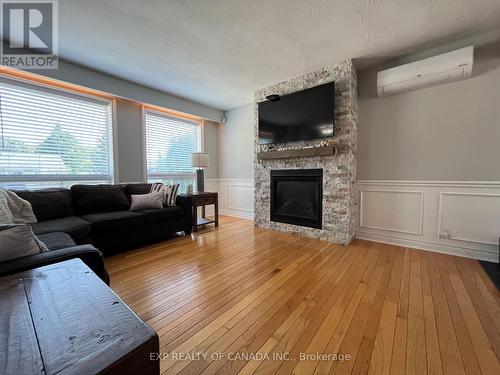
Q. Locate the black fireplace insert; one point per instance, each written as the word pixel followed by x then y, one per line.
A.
pixel 297 197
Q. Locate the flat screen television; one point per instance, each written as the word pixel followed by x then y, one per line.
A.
pixel 300 116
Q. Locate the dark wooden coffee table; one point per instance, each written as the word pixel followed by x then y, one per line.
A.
pixel 62 319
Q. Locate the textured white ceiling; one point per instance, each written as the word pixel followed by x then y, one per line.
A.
pixel 218 52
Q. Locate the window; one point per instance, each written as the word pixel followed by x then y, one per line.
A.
pixel 52 138
pixel 169 144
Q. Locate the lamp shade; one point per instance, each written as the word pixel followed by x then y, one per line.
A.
pixel 199 159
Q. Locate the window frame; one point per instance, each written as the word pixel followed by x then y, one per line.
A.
pixel 167 113
pixel 57 88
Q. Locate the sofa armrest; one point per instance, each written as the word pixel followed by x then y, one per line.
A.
pixel 87 253
pixel 186 202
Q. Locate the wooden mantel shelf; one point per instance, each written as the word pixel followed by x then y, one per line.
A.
pixel 298 153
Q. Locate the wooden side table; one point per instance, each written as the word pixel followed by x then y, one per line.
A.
pixel 201 200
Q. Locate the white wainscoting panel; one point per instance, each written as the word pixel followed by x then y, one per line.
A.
pixel 235 196
pixel 481 210
pixel 400 211
pixel 459 218
pixel 239 197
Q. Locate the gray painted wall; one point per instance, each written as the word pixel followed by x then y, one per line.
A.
pixel 211 146
pixel 129 142
pixel 80 75
pixel 449 132
pixel 236 144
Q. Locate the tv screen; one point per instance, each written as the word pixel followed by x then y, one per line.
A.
pixel 300 116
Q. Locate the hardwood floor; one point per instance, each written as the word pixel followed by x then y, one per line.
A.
pixel 231 292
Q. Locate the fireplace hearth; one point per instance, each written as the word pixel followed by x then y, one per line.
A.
pixel 297 197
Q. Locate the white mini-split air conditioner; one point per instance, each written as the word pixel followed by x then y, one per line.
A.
pixel 448 67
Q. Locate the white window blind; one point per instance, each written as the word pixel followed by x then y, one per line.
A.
pixel 169 144
pixel 52 138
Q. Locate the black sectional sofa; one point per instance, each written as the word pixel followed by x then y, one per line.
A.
pixel 74 222
pixel 62 247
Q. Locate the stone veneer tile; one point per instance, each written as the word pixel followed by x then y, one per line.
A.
pixel 340 209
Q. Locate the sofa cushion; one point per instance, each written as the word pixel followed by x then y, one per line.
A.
pixel 114 221
pixel 162 214
pixel 136 189
pixel 73 225
pixel 57 240
pixel 48 204
pixel 90 199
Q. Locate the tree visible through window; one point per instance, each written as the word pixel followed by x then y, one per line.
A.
pixel 52 138
pixel 170 141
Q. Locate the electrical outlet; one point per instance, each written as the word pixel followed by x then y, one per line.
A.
pixel 445 233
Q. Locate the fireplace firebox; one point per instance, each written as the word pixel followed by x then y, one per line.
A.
pixel 297 197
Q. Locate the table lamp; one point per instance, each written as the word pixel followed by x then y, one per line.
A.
pixel 200 160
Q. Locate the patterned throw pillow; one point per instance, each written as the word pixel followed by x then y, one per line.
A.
pixel 170 193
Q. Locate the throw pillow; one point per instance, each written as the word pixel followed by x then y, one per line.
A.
pixel 146 201
pixel 17 241
pixel 15 210
pixel 170 193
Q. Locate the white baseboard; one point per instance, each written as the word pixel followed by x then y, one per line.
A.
pixel 452 217
pixel 235 213
pixel 430 246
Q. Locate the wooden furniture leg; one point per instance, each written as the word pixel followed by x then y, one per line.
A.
pixel 216 212
pixel 195 219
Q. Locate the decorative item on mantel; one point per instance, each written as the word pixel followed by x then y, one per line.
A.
pixel 324 148
pixel 200 160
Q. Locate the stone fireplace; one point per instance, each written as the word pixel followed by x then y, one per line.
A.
pixel 327 211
